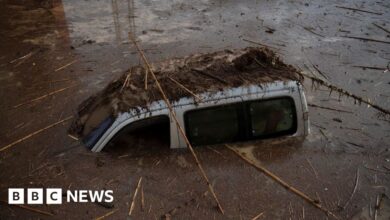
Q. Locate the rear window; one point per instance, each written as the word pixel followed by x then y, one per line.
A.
pixel 272 117
pixel 241 121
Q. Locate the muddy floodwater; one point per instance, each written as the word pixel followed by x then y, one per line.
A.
pixel 55 54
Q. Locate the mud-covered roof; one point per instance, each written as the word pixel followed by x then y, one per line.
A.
pixel 211 72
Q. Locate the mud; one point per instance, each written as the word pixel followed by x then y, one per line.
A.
pixel 199 73
pixel 94 33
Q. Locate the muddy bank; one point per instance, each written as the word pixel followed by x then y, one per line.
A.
pixel 199 73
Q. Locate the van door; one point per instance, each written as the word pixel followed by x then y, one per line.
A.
pixel 241 121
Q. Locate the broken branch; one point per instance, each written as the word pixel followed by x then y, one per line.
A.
pixel 283 183
pixel 135 196
pixel 181 130
pixel 342 91
pixel 34 133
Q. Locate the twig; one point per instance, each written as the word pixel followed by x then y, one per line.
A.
pixel 258 216
pixel 316 125
pixel 367 39
pixel 323 133
pixel 135 196
pixel 382 28
pixel 106 215
pixel 371 67
pixel 126 81
pixel 376 207
pixel 142 199
pixel 66 65
pixel 356 145
pixel 354 189
pixel 181 130
pixel 311 166
pixel 258 62
pixel 22 57
pixel 290 209
pixel 44 96
pixel 31 209
pixel 38 168
pixel 185 88
pixel 370 210
pixel 258 43
pixel 377 170
pixel 342 91
pixel 319 71
pixel 146 79
pixel 51 82
pixel 328 108
pixel 361 10
pixel 34 133
pixel 216 151
pixel 73 137
pixel 311 31
pixel 283 183
pixel 209 75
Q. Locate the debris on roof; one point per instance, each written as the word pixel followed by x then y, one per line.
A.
pixel 198 73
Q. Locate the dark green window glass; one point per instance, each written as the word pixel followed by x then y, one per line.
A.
pixel 213 125
pixel 272 117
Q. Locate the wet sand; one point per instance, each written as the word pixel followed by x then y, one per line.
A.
pixel 56 44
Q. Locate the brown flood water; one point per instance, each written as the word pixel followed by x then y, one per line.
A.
pixel 50 45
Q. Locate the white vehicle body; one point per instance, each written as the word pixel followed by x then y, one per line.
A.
pixel 266 91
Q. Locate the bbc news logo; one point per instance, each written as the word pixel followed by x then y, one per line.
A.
pixel 55 196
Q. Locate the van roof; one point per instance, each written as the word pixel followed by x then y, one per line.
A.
pixel 199 73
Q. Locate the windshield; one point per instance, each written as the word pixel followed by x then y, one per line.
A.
pixel 93 137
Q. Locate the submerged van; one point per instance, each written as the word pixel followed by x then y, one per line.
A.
pixel 236 96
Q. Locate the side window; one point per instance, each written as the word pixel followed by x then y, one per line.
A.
pixel 241 121
pixel 272 117
pixel 213 125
